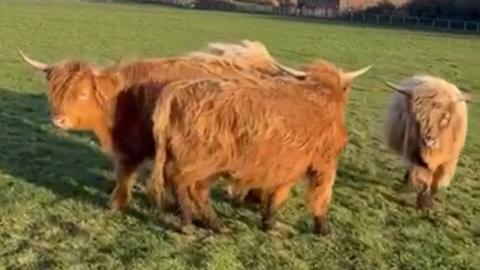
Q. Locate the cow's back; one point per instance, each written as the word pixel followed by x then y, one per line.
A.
pixel 252 128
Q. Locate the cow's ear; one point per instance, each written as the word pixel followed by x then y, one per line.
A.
pixel 107 84
pixel 465 97
pixel 445 120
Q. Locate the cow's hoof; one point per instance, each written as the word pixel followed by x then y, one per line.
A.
pixel 187 229
pixel 425 201
pixel 119 200
pixel 110 188
pixel 322 227
pixel 115 205
pixel 269 224
pixel 214 225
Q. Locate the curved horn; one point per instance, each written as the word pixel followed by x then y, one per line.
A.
pixel 398 88
pixel 296 73
pixel 37 65
pixel 353 74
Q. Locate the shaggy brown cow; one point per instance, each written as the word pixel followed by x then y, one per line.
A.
pixel 265 134
pixel 116 103
pixel 427 125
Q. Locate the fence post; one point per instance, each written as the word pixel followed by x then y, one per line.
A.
pixel 449 24
pixel 465 26
pixel 418 21
pixel 403 20
pixel 364 18
pixel 433 22
pixel 377 19
pixel 478 27
pixel 391 19
pixel 351 16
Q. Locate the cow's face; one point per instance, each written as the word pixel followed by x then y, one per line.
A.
pixel 72 96
pixel 434 118
pixel 76 102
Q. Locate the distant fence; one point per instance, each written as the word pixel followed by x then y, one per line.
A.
pixel 417 22
pixel 332 14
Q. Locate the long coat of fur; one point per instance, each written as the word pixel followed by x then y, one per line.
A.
pixel 116 103
pixel 427 125
pixel 266 134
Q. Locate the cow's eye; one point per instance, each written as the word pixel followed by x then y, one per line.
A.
pixel 83 95
pixel 445 120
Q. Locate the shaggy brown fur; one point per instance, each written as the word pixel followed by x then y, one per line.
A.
pixel 265 134
pixel 116 103
pixel 427 125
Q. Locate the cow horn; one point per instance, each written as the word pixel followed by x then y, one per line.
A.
pixel 398 88
pixel 296 73
pixel 353 74
pixel 37 65
pixel 465 97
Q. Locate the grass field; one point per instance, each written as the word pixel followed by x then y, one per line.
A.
pixel 52 199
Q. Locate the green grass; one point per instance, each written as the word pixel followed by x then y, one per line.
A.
pixel 52 199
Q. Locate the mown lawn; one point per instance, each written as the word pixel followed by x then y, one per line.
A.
pixel 52 199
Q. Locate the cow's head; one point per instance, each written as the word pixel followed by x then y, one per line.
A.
pixel 330 77
pixel 77 93
pixel 431 112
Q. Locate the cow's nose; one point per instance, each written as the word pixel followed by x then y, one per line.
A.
pixel 60 121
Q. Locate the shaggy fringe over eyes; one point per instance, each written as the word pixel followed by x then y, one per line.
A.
pixel 64 76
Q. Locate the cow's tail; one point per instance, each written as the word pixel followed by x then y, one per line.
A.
pixel 156 185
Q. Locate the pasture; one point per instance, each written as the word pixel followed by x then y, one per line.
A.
pixel 52 189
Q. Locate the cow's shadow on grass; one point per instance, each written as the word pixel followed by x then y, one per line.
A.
pixel 33 151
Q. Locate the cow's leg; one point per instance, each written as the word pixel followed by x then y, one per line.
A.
pixel 322 178
pixel 200 193
pixel 254 196
pixel 425 198
pixel 187 206
pixel 111 179
pixel 444 174
pixel 125 173
pixel 111 182
pixel 192 191
pixel 274 201
pixel 423 179
pixel 406 183
pixel 440 178
pixel 159 179
pixel 406 178
pixel 169 200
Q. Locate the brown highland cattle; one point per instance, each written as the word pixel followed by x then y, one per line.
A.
pixel 116 103
pixel 264 134
pixel 427 126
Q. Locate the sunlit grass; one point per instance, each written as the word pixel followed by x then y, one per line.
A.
pixel 52 199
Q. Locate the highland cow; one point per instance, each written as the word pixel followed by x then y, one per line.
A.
pixel 427 126
pixel 265 134
pixel 116 103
